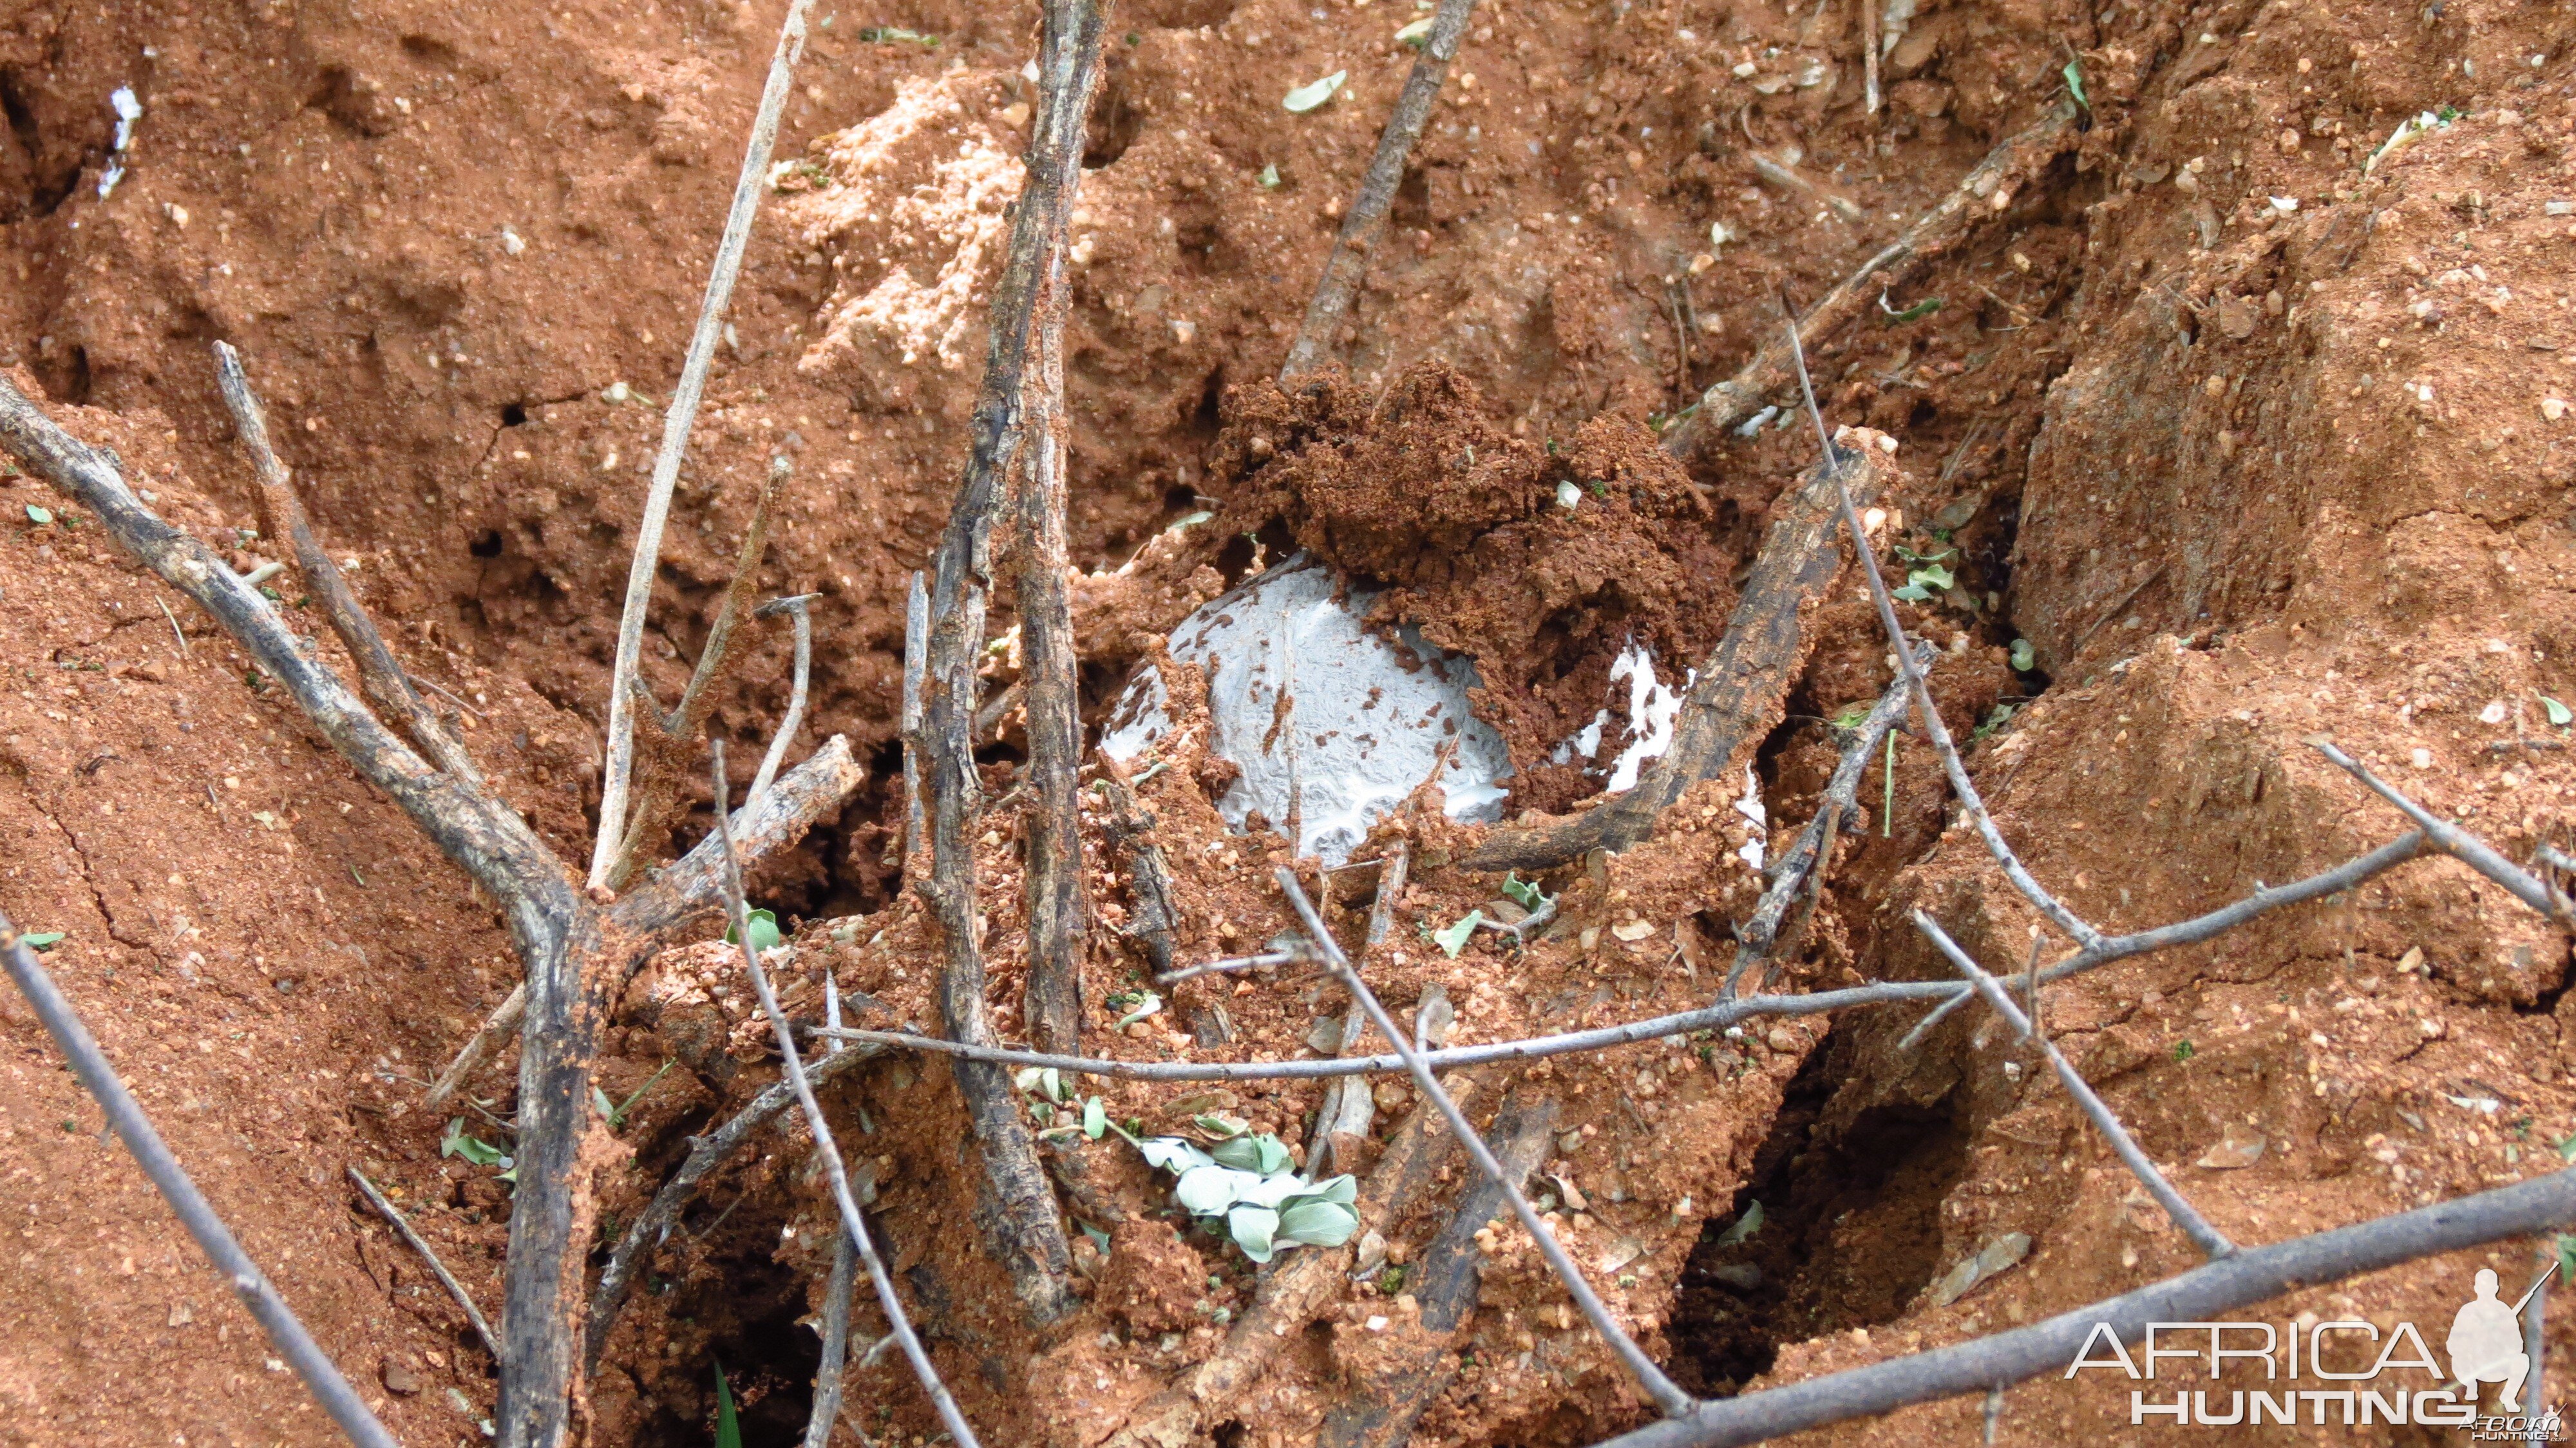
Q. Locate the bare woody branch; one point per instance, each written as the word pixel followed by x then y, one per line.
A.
pixel 2202 1295
pixel 379 674
pixel 1972 804
pixel 837 1287
pixel 1661 1389
pixel 1365 223
pixel 670 741
pixel 1801 870
pixel 98 1077
pixel 810 792
pixel 853 1226
pixel 393 1215
pixel 2458 843
pixel 676 422
pixel 1985 190
pixel 2204 1236
pixel 794 607
pixel 1742 687
pixel 1028 1234
pixel 652 1226
pixel 1049 674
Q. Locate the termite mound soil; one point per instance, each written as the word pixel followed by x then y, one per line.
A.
pixel 2236 471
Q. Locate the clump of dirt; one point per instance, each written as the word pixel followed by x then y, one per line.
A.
pixel 1543 561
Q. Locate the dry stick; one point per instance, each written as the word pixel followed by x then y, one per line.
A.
pixel 1267 960
pixel 98 1076
pixel 852 1224
pixel 1149 878
pixel 2204 1294
pixel 1396 1385
pixel 1758 939
pixel 794 607
pixel 2208 1238
pixel 557 932
pixel 1970 802
pixel 572 949
pixel 676 423
pixel 916 644
pixel 1366 220
pixel 1715 1017
pixel 438 1269
pixel 836 1288
pixel 1049 675
pixel 380 676
pixel 1025 1229
pixel 670 745
pixel 1348 1108
pixel 1730 402
pixel 2458 843
pixel 653 805
pixel 1869 55
pixel 1658 1387
pixel 1743 685
pixel 653 1225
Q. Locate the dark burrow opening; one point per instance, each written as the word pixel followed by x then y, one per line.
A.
pixel 1849 1229
pixel 742 1319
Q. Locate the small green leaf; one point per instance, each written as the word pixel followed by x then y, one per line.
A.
pixel 1318 1223
pixel 2558 713
pixel 2024 657
pixel 1851 716
pixel 1524 893
pixel 599 1100
pixel 1218 1126
pixel 764 933
pixel 2566 1258
pixel 728 1426
pixel 1270 177
pixel 1744 1228
pixel 2184 1050
pixel 1454 939
pixel 42 940
pixel 1306 97
pixel 1251 1229
pixel 1417 35
pixel 1147 1004
pixel 2567 1149
pixel 458 1142
pixel 39 516
pixel 2074 73
pixel 1095 1118
pixel 1209 1190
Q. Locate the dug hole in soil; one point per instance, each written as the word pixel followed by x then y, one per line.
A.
pixel 2227 429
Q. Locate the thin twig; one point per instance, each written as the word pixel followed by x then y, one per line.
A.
pixel 853 1224
pixel 380 676
pixel 2458 843
pixel 916 644
pixel 438 1269
pixel 1758 939
pixel 670 740
pixel 1869 65
pixel 1658 1387
pixel 676 422
pixel 1267 960
pixel 1970 802
pixel 795 608
pixel 175 631
pixel 2208 1238
pixel 1725 404
pixel 836 1288
pixel 97 1075
pixel 2204 1294
pixel 1348 1109
pixel 1149 877
pixel 652 1226
pixel 1366 220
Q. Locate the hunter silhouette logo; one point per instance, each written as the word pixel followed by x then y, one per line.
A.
pixel 2328 1372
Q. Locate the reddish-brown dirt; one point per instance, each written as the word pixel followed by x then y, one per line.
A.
pixel 2249 439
